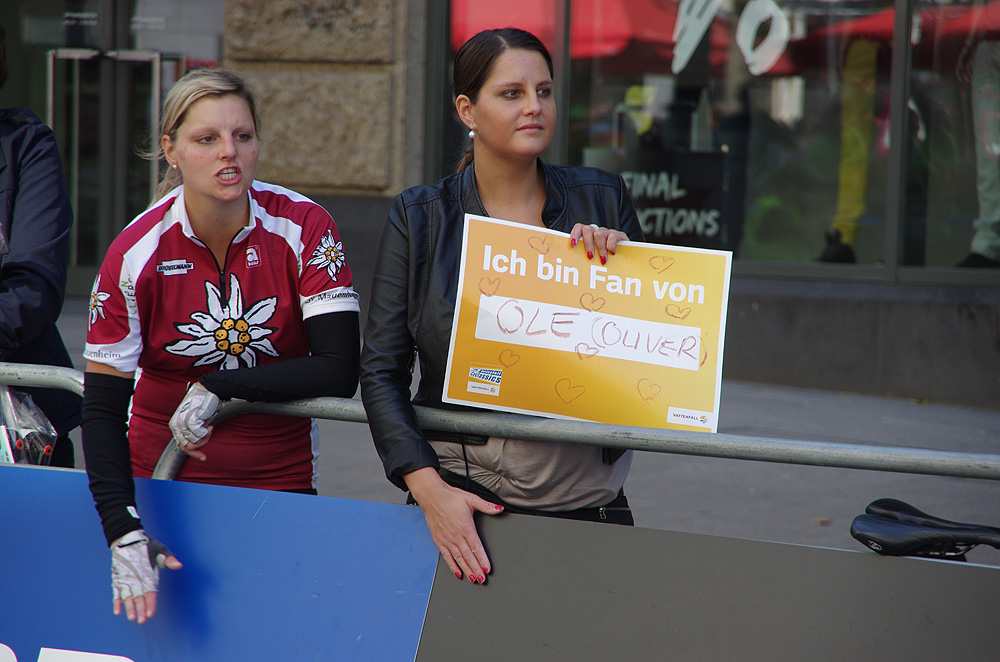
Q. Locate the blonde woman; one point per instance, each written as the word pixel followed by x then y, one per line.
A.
pixel 226 287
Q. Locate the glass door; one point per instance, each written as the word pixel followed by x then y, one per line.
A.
pixel 96 71
pixel 102 106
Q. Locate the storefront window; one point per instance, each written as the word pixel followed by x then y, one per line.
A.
pixel 956 98
pixel 96 72
pixel 765 126
pixel 757 127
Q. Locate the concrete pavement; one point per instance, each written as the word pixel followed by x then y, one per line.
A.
pixel 737 498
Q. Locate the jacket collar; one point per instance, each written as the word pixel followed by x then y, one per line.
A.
pixel 471 202
pixel 554 200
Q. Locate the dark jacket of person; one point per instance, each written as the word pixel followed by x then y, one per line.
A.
pixel 415 286
pixel 35 221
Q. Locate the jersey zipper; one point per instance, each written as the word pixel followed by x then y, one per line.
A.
pixel 223 288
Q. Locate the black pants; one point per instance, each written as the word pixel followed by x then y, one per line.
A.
pixel 616 511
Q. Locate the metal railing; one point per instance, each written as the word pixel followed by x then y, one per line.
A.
pixel 23 374
pixel 762 449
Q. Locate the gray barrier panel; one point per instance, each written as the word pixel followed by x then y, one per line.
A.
pixel 564 590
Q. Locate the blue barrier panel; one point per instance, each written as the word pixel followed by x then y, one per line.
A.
pixel 267 575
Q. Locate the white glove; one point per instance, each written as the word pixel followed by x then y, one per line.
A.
pixel 136 560
pixel 188 422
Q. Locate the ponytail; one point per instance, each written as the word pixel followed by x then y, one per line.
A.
pixel 467 156
pixel 171 180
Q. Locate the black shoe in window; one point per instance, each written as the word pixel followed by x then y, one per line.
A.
pixel 977 261
pixel 836 250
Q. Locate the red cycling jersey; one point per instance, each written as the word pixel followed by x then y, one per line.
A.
pixel 163 308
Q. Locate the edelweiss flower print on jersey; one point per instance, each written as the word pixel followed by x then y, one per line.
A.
pixel 97 299
pixel 227 335
pixel 329 255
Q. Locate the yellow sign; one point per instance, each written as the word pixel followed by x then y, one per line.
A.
pixel 540 329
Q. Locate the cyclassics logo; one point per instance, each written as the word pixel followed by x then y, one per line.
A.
pixel 484 379
pixel 492 375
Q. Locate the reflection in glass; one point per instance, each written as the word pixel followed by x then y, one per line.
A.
pixel 793 98
pixel 958 54
pixel 763 126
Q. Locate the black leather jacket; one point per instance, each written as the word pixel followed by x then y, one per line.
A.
pixel 415 286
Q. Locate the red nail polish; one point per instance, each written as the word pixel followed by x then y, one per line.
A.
pixel 590 255
pixel 458 574
pixel 472 579
pixel 482 580
pixel 572 243
pixel 604 260
pixel 613 253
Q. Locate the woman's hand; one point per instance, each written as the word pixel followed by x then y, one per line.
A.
pixel 136 560
pixel 449 512
pixel 189 424
pixel 596 240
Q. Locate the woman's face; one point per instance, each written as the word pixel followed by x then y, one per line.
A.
pixel 515 113
pixel 215 148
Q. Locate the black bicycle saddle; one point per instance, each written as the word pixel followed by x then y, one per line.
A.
pixel 894 528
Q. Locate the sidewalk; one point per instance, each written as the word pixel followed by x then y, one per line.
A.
pixel 738 498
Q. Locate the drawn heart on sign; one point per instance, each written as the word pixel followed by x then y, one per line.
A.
pixel 508 358
pixel 585 351
pixel 677 312
pixel 647 390
pixel 567 392
pixel 540 244
pixel 591 303
pixel 489 286
pixel 661 263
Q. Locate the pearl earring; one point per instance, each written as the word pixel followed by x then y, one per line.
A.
pixel 472 134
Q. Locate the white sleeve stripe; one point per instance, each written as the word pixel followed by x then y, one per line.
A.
pixel 339 299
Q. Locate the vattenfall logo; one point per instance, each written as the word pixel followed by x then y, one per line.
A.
pixel 491 375
pixel 689 417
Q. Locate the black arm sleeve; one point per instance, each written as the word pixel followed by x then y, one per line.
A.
pixel 105 447
pixel 331 370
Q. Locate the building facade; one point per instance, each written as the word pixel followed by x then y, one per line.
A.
pixel 844 150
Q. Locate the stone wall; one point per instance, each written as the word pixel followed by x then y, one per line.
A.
pixel 341 90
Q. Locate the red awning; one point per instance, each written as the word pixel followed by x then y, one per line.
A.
pixel 598 28
pixel 932 23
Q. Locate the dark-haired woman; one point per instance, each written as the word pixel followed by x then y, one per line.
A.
pixel 504 96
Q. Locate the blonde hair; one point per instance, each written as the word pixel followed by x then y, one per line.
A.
pixel 192 87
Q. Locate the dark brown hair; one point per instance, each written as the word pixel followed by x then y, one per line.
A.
pixel 474 63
